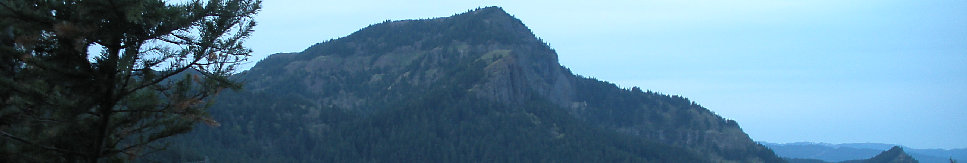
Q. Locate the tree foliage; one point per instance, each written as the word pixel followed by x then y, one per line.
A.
pixel 95 80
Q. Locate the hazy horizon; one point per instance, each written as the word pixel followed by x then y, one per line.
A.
pixel 820 71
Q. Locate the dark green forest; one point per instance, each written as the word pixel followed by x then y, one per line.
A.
pixel 441 124
pixel 438 126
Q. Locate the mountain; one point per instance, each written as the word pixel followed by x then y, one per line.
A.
pixel 854 151
pixel 893 155
pixel 825 152
pixel 473 87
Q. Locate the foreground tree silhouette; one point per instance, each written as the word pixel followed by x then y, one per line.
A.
pixel 100 80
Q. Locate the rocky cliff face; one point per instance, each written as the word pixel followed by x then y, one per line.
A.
pixel 490 55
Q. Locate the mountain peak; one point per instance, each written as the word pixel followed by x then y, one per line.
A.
pixel 488 25
pixel 497 11
pixel 491 13
pixel 894 155
pixel 493 21
pixel 896 149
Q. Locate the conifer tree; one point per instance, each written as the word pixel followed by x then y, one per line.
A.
pixel 104 80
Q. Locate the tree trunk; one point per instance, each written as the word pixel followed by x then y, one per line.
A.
pixel 107 101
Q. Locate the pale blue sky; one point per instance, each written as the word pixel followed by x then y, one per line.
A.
pixel 787 70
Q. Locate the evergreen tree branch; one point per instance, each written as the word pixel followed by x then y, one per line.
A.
pixel 25 141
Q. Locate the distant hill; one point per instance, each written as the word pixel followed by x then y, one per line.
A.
pixel 472 87
pixel 894 155
pixel 854 151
